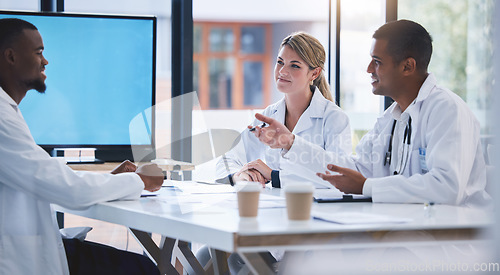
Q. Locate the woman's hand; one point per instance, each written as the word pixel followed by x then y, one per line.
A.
pixel 260 166
pixel 249 174
pixel 275 135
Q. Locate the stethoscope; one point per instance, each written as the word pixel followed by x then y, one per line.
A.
pixel 406 141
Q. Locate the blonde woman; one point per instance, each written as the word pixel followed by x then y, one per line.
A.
pixel 307 110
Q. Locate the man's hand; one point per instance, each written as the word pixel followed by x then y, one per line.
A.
pixel 275 135
pixel 124 167
pixel 347 181
pixel 151 175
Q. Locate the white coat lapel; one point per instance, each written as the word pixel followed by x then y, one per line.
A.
pixel 414 108
pixel 279 111
pixel 304 123
pixel 314 111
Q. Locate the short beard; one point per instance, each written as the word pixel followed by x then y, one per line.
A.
pixel 37 84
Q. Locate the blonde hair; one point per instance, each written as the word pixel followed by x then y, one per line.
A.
pixel 312 52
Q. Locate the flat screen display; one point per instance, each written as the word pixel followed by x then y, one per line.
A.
pixel 100 76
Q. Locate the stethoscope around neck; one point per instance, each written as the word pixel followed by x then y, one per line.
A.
pixel 406 141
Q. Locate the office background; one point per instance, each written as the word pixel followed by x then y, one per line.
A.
pixel 235 43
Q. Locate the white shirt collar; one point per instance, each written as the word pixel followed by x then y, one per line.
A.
pixel 6 97
pixel 423 93
pixel 401 116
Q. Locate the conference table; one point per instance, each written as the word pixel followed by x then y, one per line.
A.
pixel 189 212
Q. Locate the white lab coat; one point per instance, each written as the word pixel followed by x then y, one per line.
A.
pixel 444 126
pixel 30 180
pixel 322 123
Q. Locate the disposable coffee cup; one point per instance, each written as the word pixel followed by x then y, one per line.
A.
pixel 299 198
pixel 248 198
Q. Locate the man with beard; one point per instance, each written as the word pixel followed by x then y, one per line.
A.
pixel 30 180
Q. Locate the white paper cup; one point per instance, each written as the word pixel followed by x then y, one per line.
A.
pixel 248 198
pixel 299 198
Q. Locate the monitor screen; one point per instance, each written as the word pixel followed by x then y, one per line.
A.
pixel 100 76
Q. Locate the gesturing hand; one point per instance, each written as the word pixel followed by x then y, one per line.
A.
pixel 151 175
pixel 348 181
pixel 275 135
pixel 124 167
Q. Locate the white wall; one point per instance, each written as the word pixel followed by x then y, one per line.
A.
pixel 150 7
pixel 260 10
pixel 20 5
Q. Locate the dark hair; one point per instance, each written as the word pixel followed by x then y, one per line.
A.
pixel 407 39
pixel 10 28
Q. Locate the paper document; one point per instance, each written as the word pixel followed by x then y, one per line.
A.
pixel 334 195
pixel 193 187
pixel 358 218
pixel 184 198
pixel 265 201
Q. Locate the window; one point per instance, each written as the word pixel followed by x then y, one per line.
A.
pixel 359 20
pixel 462 47
pixel 231 65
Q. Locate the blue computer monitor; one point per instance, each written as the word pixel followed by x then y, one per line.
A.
pixel 101 74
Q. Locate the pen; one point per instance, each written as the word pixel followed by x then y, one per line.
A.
pixel 261 126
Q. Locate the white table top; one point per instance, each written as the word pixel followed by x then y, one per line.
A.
pixel 165 164
pixel 220 227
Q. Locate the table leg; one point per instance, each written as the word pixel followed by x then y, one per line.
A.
pixel 183 253
pixel 171 250
pixel 256 264
pixel 219 261
pixel 161 255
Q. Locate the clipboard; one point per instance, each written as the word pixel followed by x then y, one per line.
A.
pixel 345 198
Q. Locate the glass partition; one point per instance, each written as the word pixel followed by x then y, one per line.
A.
pixel 359 19
pixel 462 47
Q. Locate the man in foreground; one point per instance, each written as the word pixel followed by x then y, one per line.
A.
pixel 30 180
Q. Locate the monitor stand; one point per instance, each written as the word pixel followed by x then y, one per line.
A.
pixel 95 161
pixel 77 155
